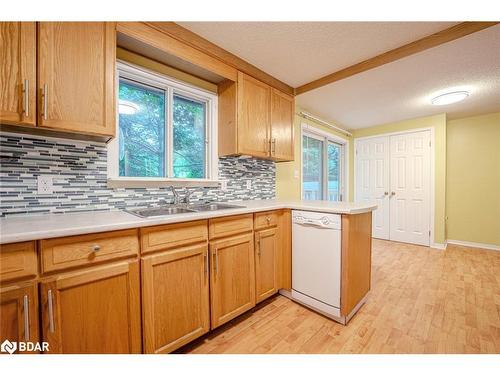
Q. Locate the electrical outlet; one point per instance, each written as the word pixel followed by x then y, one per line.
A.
pixel 249 184
pixel 223 185
pixel 45 185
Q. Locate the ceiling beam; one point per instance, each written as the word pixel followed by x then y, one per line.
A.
pixel 194 40
pixel 444 36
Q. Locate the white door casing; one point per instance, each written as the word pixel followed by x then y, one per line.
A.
pixel 410 188
pixel 372 181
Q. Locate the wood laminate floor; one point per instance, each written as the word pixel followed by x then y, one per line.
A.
pixel 422 301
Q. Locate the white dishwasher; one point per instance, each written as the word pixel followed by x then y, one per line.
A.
pixel 316 261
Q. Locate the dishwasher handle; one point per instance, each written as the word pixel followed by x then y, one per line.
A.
pixel 323 222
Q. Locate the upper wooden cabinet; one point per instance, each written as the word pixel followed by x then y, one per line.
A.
pixel 282 135
pixel 18 73
pixel 76 76
pixel 255 119
pixel 93 311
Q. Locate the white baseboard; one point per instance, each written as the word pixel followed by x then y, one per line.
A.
pixel 475 244
pixel 440 246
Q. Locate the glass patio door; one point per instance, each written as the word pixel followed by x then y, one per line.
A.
pixel 322 168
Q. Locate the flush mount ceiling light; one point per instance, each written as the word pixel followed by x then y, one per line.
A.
pixel 450 97
pixel 127 108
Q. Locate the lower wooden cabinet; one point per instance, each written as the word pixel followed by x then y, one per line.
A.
pixel 266 267
pixel 93 311
pixel 175 298
pixel 19 313
pixel 232 278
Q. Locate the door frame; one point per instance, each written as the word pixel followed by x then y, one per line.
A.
pixel 344 173
pixel 432 177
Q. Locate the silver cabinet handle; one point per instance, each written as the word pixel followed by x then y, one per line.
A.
pixel 205 258
pixel 26 302
pixel 258 246
pixel 45 96
pixel 26 98
pixel 96 248
pixel 51 311
pixel 386 193
pixel 268 219
pixel 273 146
pixel 216 265
pixel 393 193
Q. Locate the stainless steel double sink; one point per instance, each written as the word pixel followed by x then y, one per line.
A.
pixel 175 210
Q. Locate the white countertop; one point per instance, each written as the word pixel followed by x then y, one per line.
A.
pixel 27 228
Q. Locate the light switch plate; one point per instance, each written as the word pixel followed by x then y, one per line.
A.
pixel 45 184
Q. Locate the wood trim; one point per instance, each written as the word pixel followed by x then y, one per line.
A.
pixel 285 250
pixel 436 39
pixel 158 38
pixel 194 40
pixel 356 260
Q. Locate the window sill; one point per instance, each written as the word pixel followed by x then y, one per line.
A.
pixel 139 182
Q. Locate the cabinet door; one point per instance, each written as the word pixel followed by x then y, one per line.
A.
pixel 94 311
pixel 19 313
pixel 76 76
pixel 18 73
pixel 175 298
pixel 266 255
pixel 282 114
pixel 254 108
pixel 232 278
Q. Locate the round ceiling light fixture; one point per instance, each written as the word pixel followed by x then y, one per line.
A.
pixel 450 97
pixel 127 108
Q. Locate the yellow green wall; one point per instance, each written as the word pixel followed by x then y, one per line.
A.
pixel 438 122
pixel 288 186
pixel 473 179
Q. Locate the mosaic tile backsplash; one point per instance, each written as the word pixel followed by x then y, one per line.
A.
pixel 79 171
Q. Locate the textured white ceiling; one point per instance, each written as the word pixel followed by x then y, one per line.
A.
pixel 403 89
pixel 299 52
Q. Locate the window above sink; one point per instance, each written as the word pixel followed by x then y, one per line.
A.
pixel 166 132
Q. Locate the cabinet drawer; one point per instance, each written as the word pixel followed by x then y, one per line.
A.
pixel 163 237
pixel 226 226
pixel 74 251
pixel 18 260
pixel 265 219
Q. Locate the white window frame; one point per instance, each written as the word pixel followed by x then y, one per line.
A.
pixel 313 132
pixel 171 87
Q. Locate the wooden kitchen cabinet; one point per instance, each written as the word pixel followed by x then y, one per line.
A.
pixel 18 73
pixel 232 278
pixel 93 311
pixel 175 297
pixel 282 114
pixel 255 120
pixel 19 313
pixel 76 76
pixel 266 267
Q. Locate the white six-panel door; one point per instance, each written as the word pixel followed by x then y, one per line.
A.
pixel 410 188
pixel 394 171
pixel 372 181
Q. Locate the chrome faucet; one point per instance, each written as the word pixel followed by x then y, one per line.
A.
pixel 176 195
pixel 177 199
